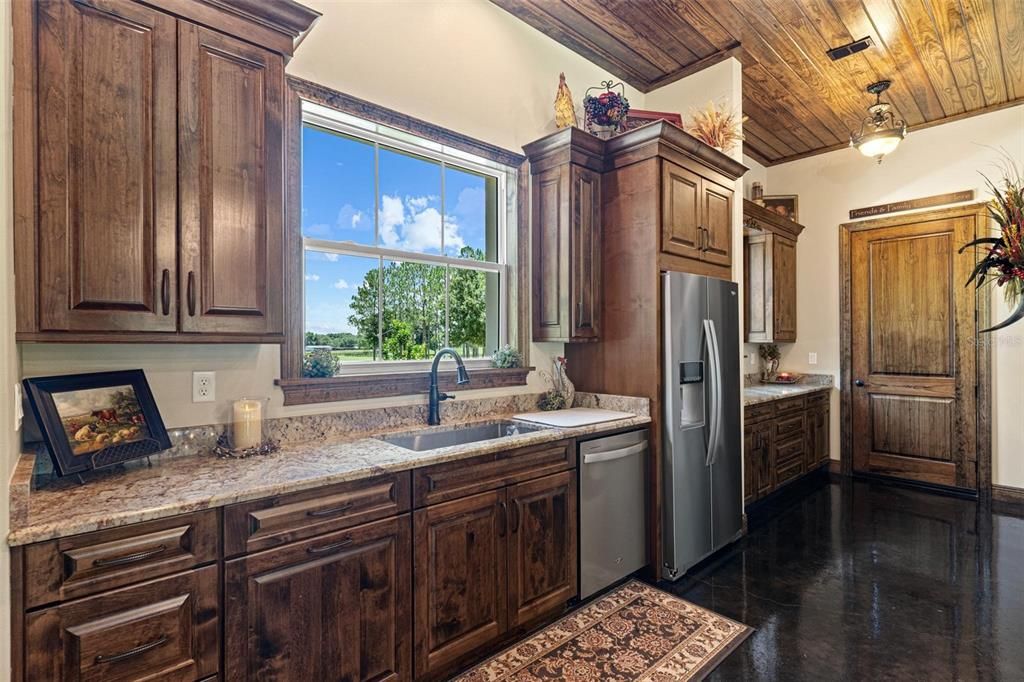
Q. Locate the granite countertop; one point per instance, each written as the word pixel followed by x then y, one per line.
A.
pixel 192 482
pixel 763 393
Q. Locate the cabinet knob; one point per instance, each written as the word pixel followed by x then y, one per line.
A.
pixel 858 383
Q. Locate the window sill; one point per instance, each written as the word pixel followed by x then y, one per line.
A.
pixel 307 390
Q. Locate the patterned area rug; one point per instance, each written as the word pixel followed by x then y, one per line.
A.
pixel 633 634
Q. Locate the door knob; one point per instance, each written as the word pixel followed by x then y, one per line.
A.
pixel 858 382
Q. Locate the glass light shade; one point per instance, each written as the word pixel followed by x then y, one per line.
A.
pixel 880 143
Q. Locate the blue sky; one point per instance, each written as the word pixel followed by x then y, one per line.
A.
pixel 338 204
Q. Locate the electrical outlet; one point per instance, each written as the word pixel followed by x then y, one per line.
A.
pixel 812 358
pixel 204 387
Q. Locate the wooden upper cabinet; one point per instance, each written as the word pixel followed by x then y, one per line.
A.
pixel 566 236
pixel 681 212
pixel 770 259
pixel 149 200
pixel 542 546
pixel 230 170
pixel 336 607
pixel 106 237
pixel 696 220
pixel 716 219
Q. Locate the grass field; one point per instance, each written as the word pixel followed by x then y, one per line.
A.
pixel 354 354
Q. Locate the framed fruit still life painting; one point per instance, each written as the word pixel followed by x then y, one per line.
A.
pixel 89 421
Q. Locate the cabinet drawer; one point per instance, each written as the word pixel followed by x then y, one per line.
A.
pixel 758 413
pixel 790 405
pixel 791 449
pixel 784 473
pixel 790 425
pixel 458 479
pixel 80 565
pixel 273 521
pixel 164 629
pixel 817 399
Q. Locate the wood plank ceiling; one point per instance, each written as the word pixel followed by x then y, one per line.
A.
pixel 947 58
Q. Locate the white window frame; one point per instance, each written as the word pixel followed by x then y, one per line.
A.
pixel 380 135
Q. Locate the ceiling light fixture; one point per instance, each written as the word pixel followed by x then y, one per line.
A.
pixel 881 131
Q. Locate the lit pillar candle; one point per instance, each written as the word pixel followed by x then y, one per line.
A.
pixel 247 431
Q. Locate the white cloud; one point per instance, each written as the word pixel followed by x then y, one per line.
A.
pixel 341 284
pixel 318 230
pixel 357 218
pixel 392 215
pixel 412 225
pixel 325 318
pixel 420 203
pixel 333 257
pixel 313 278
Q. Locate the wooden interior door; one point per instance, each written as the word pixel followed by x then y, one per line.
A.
pixel 681 211
pixel 716 219
pixel 107 154
pixel 334 607
pixel 460 577
pixel 542 546
pixel 230 168
pixel 912 351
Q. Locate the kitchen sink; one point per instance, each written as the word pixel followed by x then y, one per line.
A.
pixel 433 438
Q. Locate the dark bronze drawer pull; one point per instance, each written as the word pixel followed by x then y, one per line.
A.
pixel 131 653
pixel 329 512
pixel 329 548
pixel 190 293
pixel 165 291
pixel 129 558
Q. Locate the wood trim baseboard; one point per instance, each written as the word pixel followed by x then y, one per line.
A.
pixel 835 467
pixel 1008 494
pixel 307 390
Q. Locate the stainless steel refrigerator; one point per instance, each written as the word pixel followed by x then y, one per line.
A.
pixel 702 440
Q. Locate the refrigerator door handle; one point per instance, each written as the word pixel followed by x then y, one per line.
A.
pixel 716 378
pixel 716 368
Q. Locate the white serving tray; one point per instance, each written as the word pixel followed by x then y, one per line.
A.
pixel 574 416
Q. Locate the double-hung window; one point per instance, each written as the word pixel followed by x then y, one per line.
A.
pixel 404 245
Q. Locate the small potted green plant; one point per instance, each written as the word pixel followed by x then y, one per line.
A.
pixel 320 362
pixel 506 357
pixel 770 356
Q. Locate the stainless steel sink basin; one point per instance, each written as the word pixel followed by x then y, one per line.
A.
pixel 433 438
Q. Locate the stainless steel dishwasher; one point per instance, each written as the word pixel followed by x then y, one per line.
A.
pixel 613 526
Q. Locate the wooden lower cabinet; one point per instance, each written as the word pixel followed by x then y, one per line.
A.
pixel 341 582
pixel 783 441
pixel 163 629
pixel 334 607
pixel 542 546
pixel 491 562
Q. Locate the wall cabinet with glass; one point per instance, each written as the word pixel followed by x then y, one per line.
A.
pixel 150 203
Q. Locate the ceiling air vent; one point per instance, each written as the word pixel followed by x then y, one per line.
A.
pixel 837 53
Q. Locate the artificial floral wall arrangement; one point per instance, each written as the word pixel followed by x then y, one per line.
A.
pixel 1003 265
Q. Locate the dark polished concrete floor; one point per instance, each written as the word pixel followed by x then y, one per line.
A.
pixel 866 581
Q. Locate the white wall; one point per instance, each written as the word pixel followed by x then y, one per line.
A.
pixel 468 66
pixel 8 350
pixel 936 160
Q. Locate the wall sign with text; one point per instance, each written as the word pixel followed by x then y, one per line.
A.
pixel 911 204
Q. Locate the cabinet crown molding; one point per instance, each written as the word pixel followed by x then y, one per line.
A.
pixel 757 217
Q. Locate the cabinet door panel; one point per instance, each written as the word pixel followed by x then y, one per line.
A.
pixel 335 607
pixel 107 180
pixel 165 629
pixel 784 288
pixel 460 578
pixel 550 254
pixel 765 460
pixel 716 212
pixel 231 164
pixel 681 211
pixel 542 546
pixel 586 253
